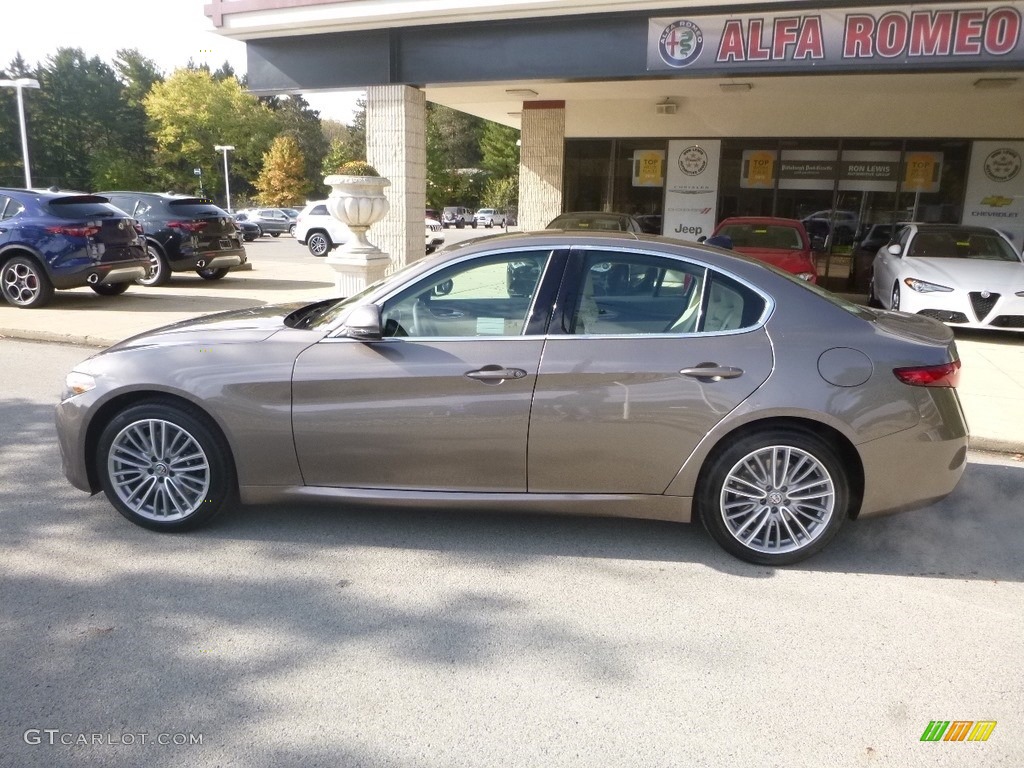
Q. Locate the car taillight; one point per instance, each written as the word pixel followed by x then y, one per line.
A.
pixel 945 375
pixel 188 226
pixel 83 230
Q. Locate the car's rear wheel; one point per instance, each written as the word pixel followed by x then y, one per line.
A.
pixel 159 269
pixel 110 289
pixel 274 234
pixel 291 230
pixel 25 283
pixel 164 466
pixel 774 497
pixel 212 274
pixel 318 243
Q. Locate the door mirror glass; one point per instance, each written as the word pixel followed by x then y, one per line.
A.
pixel 364 323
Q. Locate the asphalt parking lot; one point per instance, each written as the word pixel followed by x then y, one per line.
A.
pixel 307 635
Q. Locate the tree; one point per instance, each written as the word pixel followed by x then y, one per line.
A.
pixel 283 180
pixel 190 113
pixel 295 118
pixel 500 150
pixel 76 119
pixel 501 193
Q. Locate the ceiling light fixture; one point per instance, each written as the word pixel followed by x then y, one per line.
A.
pixel 666 107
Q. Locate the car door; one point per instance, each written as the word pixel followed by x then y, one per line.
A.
pixel 650 353
pixel 443 401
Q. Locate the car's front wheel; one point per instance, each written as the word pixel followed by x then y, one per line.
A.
pixel 159 269
pixel 164 466
pixel 774 497
pixel 318 243
pixel 110 289
pixel 25 283
pixel 291 230
pixel 275 234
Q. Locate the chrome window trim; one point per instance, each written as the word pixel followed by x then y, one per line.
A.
pixel 381 300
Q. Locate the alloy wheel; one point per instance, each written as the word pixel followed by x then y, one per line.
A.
pixel 22 284
pixel 777 499
pixel 159 470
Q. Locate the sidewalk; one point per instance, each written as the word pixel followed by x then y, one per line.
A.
pixel 991 385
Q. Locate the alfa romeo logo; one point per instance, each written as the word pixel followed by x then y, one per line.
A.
pixel 1003 164
pixel 681 43
pixel 693 160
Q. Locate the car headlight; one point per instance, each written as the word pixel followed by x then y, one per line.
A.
pixel 77 383
pixel 923 286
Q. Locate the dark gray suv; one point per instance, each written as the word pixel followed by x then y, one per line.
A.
pixel 183 234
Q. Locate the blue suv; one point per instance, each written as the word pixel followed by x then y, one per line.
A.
pixel 55 240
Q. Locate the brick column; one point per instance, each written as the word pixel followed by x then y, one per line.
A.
pixel 396 145
pixel 541 162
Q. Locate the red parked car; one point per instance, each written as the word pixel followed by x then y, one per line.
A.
pixel 783 243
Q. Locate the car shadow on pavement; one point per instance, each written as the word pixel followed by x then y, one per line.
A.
pixel 975 533
pixel 247 283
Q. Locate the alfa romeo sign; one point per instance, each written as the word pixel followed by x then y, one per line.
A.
pixel 917 37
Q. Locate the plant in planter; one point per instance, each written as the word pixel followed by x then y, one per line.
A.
pixel 357 201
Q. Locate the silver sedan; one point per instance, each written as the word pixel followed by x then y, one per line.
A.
pixel 561 372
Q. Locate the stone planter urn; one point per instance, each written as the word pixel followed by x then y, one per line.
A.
pixel 358 202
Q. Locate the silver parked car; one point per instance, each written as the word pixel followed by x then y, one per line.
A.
pixel 600 374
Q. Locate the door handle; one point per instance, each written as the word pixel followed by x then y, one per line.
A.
pixel 712 372
pixel 494 374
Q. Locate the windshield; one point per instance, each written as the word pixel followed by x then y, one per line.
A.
pixel 961 244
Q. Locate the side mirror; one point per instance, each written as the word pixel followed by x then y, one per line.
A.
pixel 364 323
pixel 894 249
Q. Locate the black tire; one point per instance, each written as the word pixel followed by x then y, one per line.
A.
pixel 872 299
pixel 159 269
pixel 110 289
pixel 800 532
pixel 259 231
pixel 319 243
pixel 25 283
pixel 291 230
pixel 212 274
pixel 203 491
pixel 250 238
pixel 461 225
pixel 275 234
pixel 473 225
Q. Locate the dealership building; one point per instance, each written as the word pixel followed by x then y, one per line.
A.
pixel 690 112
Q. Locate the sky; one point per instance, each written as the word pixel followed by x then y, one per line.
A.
pixel 169 32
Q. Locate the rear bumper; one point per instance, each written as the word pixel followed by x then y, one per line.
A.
pixel 920 465
pixel 231 258
pixel 101 274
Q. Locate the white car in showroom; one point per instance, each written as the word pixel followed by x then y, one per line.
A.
pixel 965 276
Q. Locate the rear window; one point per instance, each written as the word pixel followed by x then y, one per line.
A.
pixel 81 207
pixel 195 206
pixel 763 236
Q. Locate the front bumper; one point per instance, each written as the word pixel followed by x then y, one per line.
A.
pixel 960 309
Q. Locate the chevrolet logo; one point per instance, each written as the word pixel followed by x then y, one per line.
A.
pixel 996 201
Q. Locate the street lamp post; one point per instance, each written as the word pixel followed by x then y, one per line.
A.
pixel 225 148
pixel 20 84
